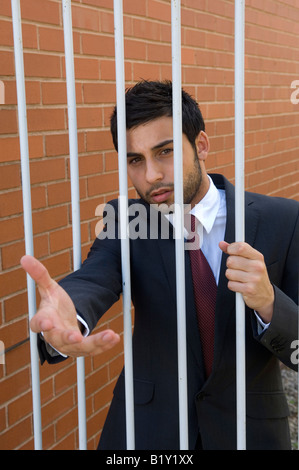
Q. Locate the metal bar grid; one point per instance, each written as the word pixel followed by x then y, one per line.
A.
pixel 123 201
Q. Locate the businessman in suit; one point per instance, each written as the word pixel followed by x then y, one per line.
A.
pixel 264 269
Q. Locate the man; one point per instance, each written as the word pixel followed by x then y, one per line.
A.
pixel 264 270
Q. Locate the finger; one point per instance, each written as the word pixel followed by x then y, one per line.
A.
pixel 91 345
pixel 244 264
pixel 37 271
pixel 223 246
pixel 244 250
pixel 244 288
pixel 63 340
pixel 39 324
pixel 237 275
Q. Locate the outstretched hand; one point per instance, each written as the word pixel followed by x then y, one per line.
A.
pixel 247 274
pixel 57 317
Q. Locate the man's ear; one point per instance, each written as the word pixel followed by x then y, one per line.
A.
pixel 202 143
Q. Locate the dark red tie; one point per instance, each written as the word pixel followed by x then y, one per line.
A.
pixel 205 290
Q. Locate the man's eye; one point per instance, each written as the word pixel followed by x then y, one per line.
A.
pixel 167 151
pixel 133 161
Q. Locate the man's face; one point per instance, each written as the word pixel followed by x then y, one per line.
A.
pixel 151 166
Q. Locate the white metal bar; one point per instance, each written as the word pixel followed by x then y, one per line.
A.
pixel 123 213
pixel 240 218
pixel 75 196
pixel 179 203
pixel 26 190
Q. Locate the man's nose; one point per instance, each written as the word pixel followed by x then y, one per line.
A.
pixel 153 172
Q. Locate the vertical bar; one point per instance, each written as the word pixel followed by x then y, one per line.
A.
pixel 179 204
pixel 75 196
pixel 26 190
pixel 123 213
pixel 240 218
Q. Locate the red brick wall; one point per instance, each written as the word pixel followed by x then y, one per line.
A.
pixel 272 148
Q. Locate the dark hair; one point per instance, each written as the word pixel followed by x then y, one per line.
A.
pixel 149 100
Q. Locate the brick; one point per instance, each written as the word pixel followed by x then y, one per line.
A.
pixel 59 192
pixel 107 21
pixel 90 165
pixel 11 229
pixel 15 385
pixel 87 68
pixel 11 203
pixel 61 240
pixel 98 45
pixel 65 425
pixel 85 18
pixel 58 265
pixel 88 117
pixel 11 254
pixel 6 34
pixel 54 93
pixel 19 408
pixel 101 184
pixel 57 144
pixel 99 93
pixel 159 53
pixel 32 93
pixel 29 34
pixel 100 140
pixel 8 121
pixel 12 281
pixel 100 3
pixel 42 65
pixel 47 170
pixel 51 39
pixel 16 435
pixel 10 149
pixel 10 176
pixel 158 10
pixel 36 146
pixel 47 12
pixel 49 219
pixel 7 63
pixel 16 306
pixel 45 119
pixel 61 404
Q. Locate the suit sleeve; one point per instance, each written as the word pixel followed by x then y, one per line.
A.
pixel 282 334
pixel 93 288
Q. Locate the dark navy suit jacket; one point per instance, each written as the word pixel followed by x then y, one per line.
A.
pixel 272 228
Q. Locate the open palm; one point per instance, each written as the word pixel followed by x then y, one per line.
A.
pixel 57 317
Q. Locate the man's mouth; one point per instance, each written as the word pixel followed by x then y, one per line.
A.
pixel 161 195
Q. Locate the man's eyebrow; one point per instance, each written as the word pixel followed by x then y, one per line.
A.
pixel 162 144
pixel 156 147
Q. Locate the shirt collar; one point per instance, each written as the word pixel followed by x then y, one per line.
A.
pixel 206 210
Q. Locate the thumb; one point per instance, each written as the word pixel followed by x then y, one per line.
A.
pixel 37 271
pixel 223 246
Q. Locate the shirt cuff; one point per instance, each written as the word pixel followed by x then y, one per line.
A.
pixel 53 351
pixel 261 325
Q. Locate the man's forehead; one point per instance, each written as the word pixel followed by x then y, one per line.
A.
pixel 150 134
